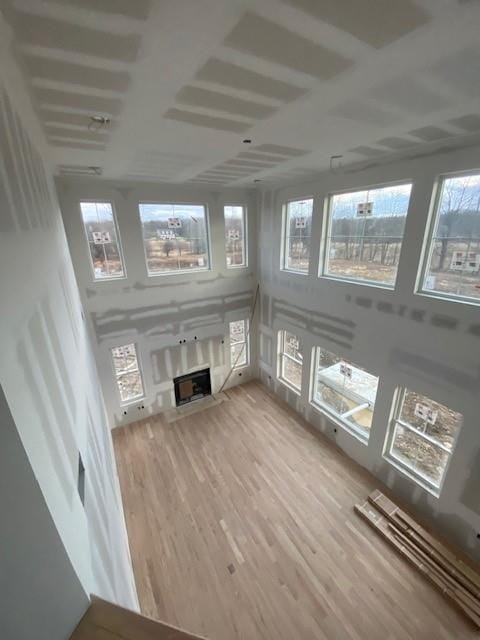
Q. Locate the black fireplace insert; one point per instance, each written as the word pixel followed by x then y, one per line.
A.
pixel 192 386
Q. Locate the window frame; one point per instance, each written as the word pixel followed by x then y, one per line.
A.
pixel 284 252
pixel 280 357
pixel 326 235
pixel 419 478
pixel 428 248
pixel 208 238
pixel 125 403
pixel 328 411
pixel 119 240
pixel 246 342
pixel 244 207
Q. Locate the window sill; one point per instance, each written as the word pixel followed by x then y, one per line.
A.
pixel 295 271
pixel 110 279
pixel 418 479
pixel 290 386
pixel 445 297
pixel 128 403
pixel 346 426
pixel 237 266
pixel 363 283
pixel 179 272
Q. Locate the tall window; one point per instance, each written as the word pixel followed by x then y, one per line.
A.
pixel 235 235
pixel 364 234
pixel 297 235
pixel 239 344
pixel 453 258
pixel 345 391
pixel 422 436
pixel 103 240
pixel 127 373
pixel 291 359
pixel 175 237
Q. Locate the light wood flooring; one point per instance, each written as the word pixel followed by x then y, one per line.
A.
pixel 241 526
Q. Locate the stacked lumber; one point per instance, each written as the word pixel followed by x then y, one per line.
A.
pixel 450 574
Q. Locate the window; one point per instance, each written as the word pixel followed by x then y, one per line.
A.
pixel 297 235
pixel 239 347
pixel 345 391
pixel 102 237
pixel 127 373
pixel 453 257
pixel 365 233
pixel 235 236
pixel 175 237
pixel 422 436
pixel 291 360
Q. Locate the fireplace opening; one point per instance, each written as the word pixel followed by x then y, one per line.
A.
pixel 192 386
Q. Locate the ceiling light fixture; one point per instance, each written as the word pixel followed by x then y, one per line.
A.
pixel 98 123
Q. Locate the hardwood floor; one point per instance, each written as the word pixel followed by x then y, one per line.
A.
pixel 241 525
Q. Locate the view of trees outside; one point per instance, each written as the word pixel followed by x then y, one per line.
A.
pixel 239 343
pixel 346 389
pixel 424 435
pixel 291 359
pixel 366 232
pixel 298 235
pixel 175 237
pixel 129 379
pixel 99 223
pixel 454 261
pixel 235 245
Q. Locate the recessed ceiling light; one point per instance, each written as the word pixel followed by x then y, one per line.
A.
pixel 247 141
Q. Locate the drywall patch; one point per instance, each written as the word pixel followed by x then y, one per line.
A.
pixel 153 319
pixel 231 75
pixel 376 23
pixel 208 122
pixel 444 322
pixel 421 366
pixel 270 41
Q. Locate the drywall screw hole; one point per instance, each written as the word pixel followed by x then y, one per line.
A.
pixel 124 413
pixel 335 431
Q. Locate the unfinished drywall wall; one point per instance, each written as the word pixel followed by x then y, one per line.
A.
pixel 33 562
pixel 178 321
pixel 47 370
pixel 426 344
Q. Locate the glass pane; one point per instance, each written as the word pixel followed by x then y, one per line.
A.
pixel 130 386
pixel 454 262
pixel 238 351
pixel 128 377
pixel 237 331
pixel 298 232
pixel 419 454
pixel 175 237
pixel 99 223
pixel 291 345
pixel 430 417
pixel 346 389
pixel 235 236
pixel 366 232
pixel 292 372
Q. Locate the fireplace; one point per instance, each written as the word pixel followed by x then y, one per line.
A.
pixel 192 386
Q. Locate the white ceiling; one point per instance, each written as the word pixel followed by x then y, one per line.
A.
pixel 185 81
